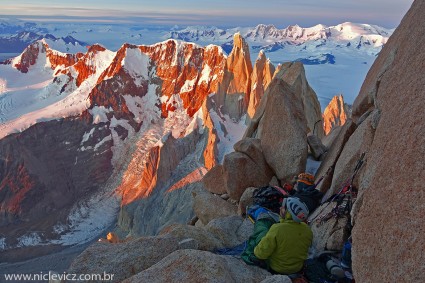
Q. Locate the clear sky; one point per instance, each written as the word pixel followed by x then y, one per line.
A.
pixel 281 13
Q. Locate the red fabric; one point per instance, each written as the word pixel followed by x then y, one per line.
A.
pixel 301 279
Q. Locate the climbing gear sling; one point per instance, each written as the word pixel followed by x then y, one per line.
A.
pixel 344 197
pixel 323 176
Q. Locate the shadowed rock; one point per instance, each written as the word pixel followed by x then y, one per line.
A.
pixel 358 143
pixel 123 259
pixel 316 147
pixel 208 206
pixel 332 156
pixel 200 266
pixel 389 226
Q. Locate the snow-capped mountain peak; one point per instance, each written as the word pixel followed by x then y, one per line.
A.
pixel 199 33
pixel 293 34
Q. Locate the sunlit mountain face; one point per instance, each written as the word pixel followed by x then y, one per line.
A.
pixel 336 57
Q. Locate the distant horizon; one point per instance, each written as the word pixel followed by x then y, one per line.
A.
pixel 138 23
pixel 220 13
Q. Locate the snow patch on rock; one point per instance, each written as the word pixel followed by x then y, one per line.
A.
pixel 137 63
pixel 99 114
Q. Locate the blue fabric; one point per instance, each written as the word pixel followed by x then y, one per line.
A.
pixel 236 251
pixel 258 212
pixel 346 254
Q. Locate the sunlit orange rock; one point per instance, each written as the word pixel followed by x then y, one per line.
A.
pixel 261 77
pixel 335 114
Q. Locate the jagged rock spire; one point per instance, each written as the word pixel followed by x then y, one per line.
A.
pixel 260 79
pixel 335 114
pixel 233 91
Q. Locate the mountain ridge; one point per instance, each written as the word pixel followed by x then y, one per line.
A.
pixel 110 104
pixel 293 33
pixel 352 57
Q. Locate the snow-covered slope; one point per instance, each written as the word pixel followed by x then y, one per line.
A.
pixel 17 42
pixel 349 34
pixel 42 93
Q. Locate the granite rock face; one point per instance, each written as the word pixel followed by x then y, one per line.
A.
pixel 328 234
pixel 389 226
pixel 235 86
pixel 200 266
pixel 294 75
pixel 358 143
pixel 327 167
pixel 44 195
pixel 39 49
pixel 317 149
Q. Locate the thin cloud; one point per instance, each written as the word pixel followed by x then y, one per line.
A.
pixel 231 13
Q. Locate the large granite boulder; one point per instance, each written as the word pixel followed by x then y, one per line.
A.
pixel 214 180
pixel 200 266
pixel 243 168
pixel 123 259
pixel 241 171
pixel 252 148
pixel 204 239
pixel 246 200
pixel 231 230
pixel 294 76
pixel 208 207
pixel 316 146
pixel 388 233
pixel 225 232
pixel 281 126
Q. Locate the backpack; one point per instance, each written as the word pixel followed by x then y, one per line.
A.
pixel 310 196
pixel 315 270
pixel 270 197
